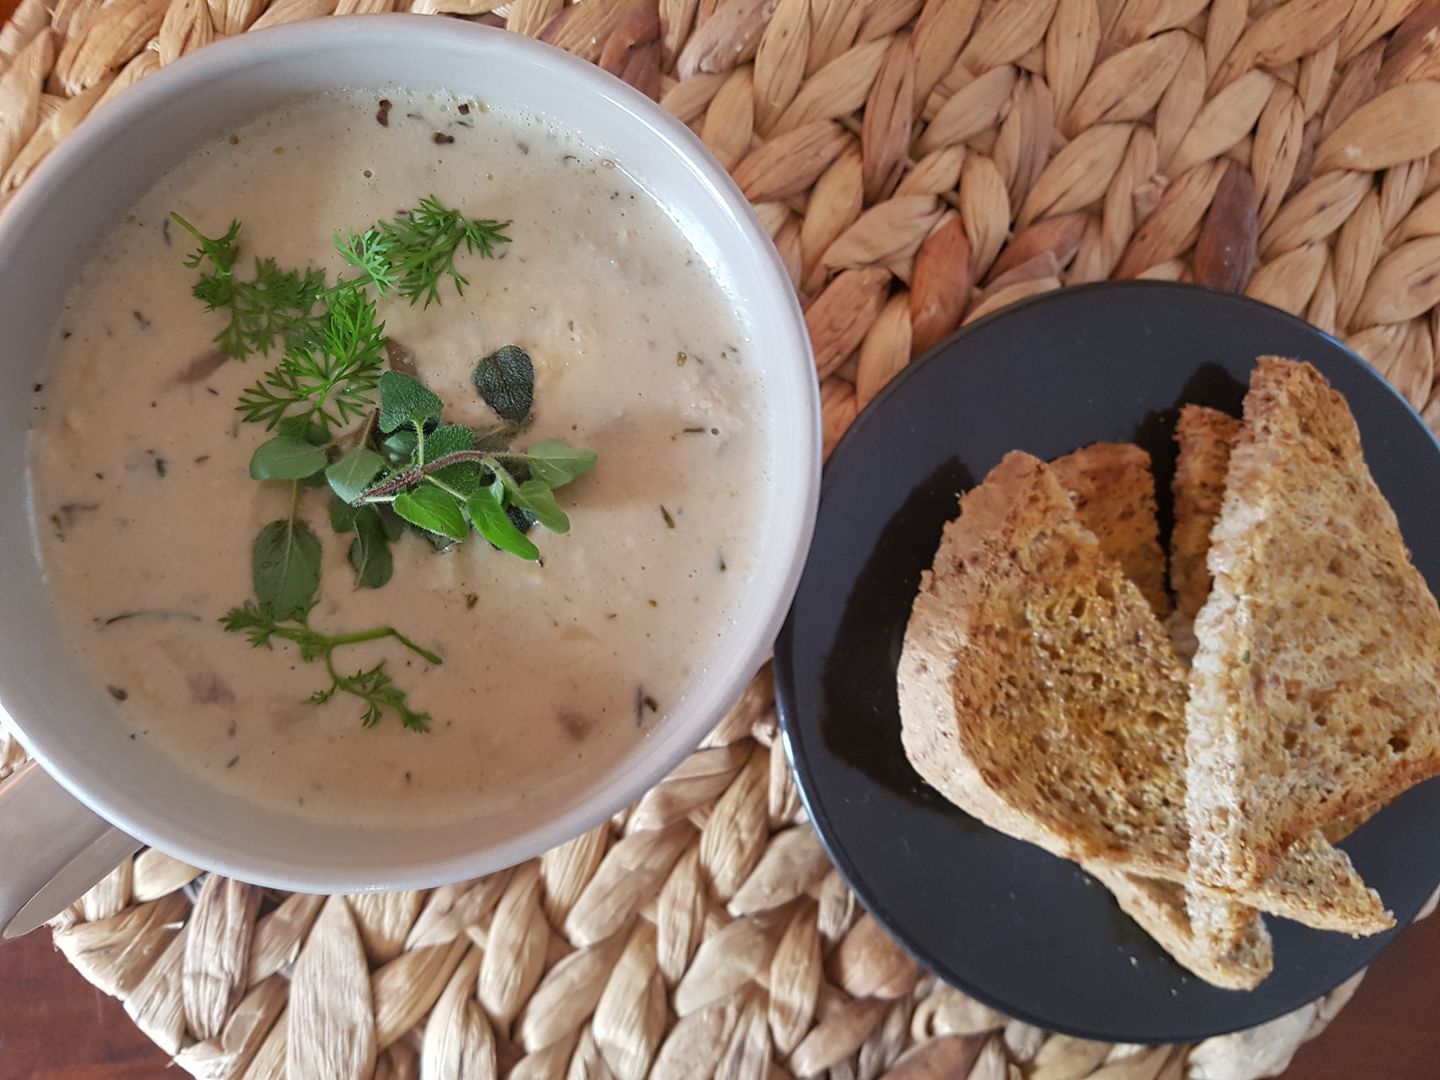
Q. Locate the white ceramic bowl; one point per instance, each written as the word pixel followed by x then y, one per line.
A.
pixel 93 180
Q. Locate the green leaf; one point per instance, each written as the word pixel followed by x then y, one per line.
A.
pixel 352 474
pixel 487 513
pixel 342 514
pixel 370 551
pixel 506 380
pixel 463 476
pixel 286 458
pixel 434 510
pixel 390 523
pixel 404 400
pixel 400 447
pixel 285 566
pixel 302 427
pixel 558 464
pixel 536 496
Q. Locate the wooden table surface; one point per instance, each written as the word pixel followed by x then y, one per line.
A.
pixel 55 1026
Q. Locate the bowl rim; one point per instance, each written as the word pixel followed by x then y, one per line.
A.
pixel 785 538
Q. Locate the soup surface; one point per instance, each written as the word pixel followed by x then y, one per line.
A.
pixel 146 512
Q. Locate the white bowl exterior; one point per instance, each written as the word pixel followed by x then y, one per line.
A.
pixel 95 177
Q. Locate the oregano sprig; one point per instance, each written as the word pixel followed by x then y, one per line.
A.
pixel 446 486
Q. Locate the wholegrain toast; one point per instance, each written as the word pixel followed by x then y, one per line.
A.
pixel 1037 686
pixel 1204 437
pixel 1315 692
pixel 1113 490
pixel 1315 884
pixel 1022 618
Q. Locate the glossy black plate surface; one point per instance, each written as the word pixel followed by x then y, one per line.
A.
pixel 1024 931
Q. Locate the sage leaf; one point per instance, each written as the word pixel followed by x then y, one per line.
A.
pixel 404 400
pixel 285 567
pixel 463 476
pixel 286 457
pixel 506 380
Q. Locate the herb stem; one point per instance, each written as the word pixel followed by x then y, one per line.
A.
pixel 375 634
pixel 410 477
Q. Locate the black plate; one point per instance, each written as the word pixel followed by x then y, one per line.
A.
pixel 1019 929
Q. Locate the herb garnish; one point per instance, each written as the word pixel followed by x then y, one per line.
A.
pixel 327 380
pixel 402 466
pixel 438 480
pixel 411 254
pixel 373 686
pixel 274 305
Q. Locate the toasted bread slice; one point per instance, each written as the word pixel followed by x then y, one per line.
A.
pixel 1039 692
pixel 1225 944
pixel 1113 490
pixel 1205 437
pixel 1315 693
pixel 1315 884
pixel 1035 678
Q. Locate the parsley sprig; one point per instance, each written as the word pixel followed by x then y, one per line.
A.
pixel 331 340
pixel 327 381
pixel 373 686
pixel 272 306
pixel 412 254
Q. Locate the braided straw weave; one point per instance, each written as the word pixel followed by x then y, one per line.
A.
pixel 919 163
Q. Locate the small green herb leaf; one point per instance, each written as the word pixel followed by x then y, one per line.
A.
pixel 326 380
pixel 400 446
pixel 506 380
pixel 342 514
pixel 285 567
pixel 434 510
pixel 463 476
pixel 373 686
pixel 536 497
pixel 390 523
pixel 351 475
pixel 370 551
pixel 405 401
pixel 286 458
pixel 488 515
pixel 557 464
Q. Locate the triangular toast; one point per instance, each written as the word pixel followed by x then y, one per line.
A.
pixel 1315 884
pixel 1315 692
pixel 1113 491
pixel 1036 683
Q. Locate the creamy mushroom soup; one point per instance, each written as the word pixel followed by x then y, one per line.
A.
pixel 152 527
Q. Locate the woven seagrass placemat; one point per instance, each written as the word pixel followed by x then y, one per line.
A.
pixel 919 163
